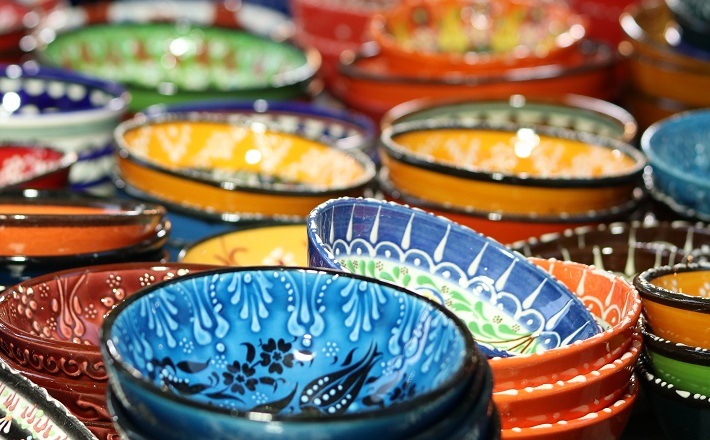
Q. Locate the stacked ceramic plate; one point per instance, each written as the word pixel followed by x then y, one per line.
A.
pixel 515 168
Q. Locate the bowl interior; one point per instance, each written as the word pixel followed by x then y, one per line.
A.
pixel 177 57
pixel 509 305
pixel 694 283
pixel 682 144
pixel 288 342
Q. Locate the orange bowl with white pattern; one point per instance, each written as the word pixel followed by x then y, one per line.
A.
pixel 510 168
pixel 228 164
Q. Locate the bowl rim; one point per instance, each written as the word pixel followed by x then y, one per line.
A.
pixel 65 161
pixel 402 154
pixel 667 389
pixel 124 151
pixel 76 119
pixel 578 104
pixel 676 351
pixel 472 360
pixel 651 292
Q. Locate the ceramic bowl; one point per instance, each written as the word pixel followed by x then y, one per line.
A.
pixel 370 83
pixel 574 112
pixel 262 348
pixel 509 228
pixel 680 413
pixel 608 423
pixel 279 244
pixel 477 35
pixel 675 148
pixel 33 166
pixel 649 109
pixel 612 300
pixel 510 168
pixel 509 305
pixel 222 164
pixel 64 109
pixel 176 62
pixel 625 248
pixel 569 399
pixel 676 302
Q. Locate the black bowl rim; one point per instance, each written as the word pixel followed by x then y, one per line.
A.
pixel 650 292
pixel 673 350
pixel 472 361
pixel 667 389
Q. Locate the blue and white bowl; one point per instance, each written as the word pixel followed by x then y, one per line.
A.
pixel 509 304
pixel 285 353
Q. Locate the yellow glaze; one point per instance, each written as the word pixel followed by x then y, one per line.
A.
pixel 220 150
pixel 523 153
pixel 694 283
pixel 678 325
pixel 282 245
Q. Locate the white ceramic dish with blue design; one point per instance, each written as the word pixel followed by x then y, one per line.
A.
pixel 510 305
pixel 285 353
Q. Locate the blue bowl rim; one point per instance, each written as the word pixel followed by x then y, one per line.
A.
pixel 472 360
pixel 400 154
pixel 666 389
pixel 651 292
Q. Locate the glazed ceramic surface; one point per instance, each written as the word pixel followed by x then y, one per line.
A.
pixel 69 111
pixel 162 62
pixel 612 300
pixel 29 412
pixel 259 245
pixel 676 151
pixel 244 347
pixel 27 166
pixel 513 169
pixel 509 305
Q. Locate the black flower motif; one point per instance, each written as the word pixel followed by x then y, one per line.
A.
pixel 239 377
pixel 276 356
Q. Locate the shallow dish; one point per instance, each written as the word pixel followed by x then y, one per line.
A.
pixel 222 164
pixel 510 168
pixel 509 305
pixel 33 166
pixel 290 347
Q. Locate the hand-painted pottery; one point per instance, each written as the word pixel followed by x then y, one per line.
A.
pixel 693 16
pixel 283 353
pixel 29 412
pixel 614 303
pixel 676 302
pixel 624 248
pixel 605 424
pixel 684 366
pixel 173 62
pixel 574 112
pixel 255 245
pixel 510 168
pixel 370 83
pixel 32 166
pixel 221 164
pixel 681 413
pixel 570 399
pixel 475 36
pixel 66 110
pixel 675 148
pixel 509 305
pixel 509 228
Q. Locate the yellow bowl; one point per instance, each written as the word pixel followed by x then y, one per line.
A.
pixel 510 168
pixel 228 165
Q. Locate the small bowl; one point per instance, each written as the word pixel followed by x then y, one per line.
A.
pixel 611 299
pixel 510 168
pixel 676 302
pixel 279 244
pixel 575 112
pixel 253 349
pixel 509 305
pixel 680 413
pixel 257 170
pixel 477 36
pixel 32 166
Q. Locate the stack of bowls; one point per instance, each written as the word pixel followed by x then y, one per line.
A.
pixel 66 110
pixel 675 362
pixel 46 231
pixel 293 353
pixel 677 149
pixel 57 347
pixel 547 380
pixel 510 180
pixel 32 166
pixel 666 74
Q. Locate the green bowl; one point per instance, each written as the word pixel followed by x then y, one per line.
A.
pixel 173 62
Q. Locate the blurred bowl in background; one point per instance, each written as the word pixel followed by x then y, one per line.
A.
pixel 25 166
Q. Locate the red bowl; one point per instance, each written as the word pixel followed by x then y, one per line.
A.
pixel 27 166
